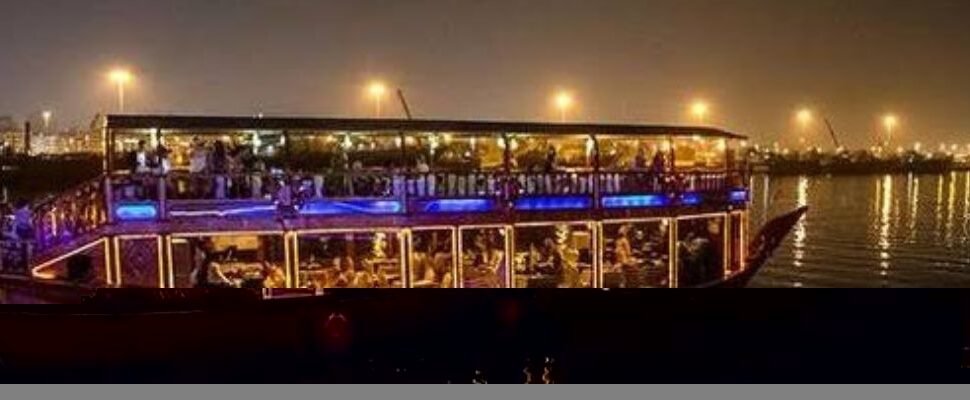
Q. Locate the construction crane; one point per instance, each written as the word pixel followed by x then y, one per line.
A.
pixel 404 103
pixel 835 138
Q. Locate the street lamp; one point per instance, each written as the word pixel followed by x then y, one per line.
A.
pixel 804 119
pixel 699 109
pixel 889 122
pixel 376 90
pixel 563 101
pixel 120 77
pixel 46 116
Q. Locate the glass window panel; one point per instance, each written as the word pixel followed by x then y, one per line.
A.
pixel 484 262
pixel 619 153
pixel 549 153
pixel 372 152
pixel 350 260
pixel 315 151
pixel 700 250
pixel 454 152
pixel 432 259
pixel 636 254
pixel 553 256
pixel 254 261
pixel 699 153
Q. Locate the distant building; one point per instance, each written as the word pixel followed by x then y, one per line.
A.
pixel 63 141
pixel 11 136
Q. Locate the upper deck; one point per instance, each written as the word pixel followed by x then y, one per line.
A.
pixel 279 184
pixel 231 172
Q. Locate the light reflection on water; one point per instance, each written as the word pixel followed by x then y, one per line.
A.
pixel 869 230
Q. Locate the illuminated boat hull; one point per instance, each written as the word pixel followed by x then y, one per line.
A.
pixel 28 291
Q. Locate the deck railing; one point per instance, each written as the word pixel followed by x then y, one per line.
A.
pixel 85 207
pixel 454 185
pixel 553 183
pixel 71 214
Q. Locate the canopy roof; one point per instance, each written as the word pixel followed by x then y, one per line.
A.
pixel 214 124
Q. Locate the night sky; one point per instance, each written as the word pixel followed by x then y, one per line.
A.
pixel 626 61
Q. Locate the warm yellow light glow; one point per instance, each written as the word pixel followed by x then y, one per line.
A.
pixel 376 90
pixel 890 121
pixel 804 117
pixel 699 109
pixel 46 116
pixel 120 76
pixel 563 101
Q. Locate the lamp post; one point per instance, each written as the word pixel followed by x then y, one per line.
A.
pixel 377 91
pixel 804 119
pixel 889 122
pixel 563 101
pixel 699 110
pixel 120 78
pixel 46 116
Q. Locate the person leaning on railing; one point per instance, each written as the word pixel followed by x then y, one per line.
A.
pixel 17 237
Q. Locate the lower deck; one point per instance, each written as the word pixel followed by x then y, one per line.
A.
pixel 666 248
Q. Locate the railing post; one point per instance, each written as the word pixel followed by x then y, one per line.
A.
pixel 162 183
pixel 108 199
pixel 597 172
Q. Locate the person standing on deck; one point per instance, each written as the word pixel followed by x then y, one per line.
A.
pixel 162 162
pixel 198 162
pixel 21 231
pixel 140 159
pixel 23 225
pixel 658 169
pixel 551 162
pixel 640 161
pixel 218 165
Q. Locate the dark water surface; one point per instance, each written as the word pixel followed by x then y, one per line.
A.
pixel 869 230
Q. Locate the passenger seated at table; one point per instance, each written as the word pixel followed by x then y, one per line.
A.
pixel 485 265
pixel 700 258
pixel 432 268
pixel 208 271
pixel 347 275
pixel 380 279
pixel 363 279
pixel 552 264
pixel 628 261
pixel 623 256
pixel 273 276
